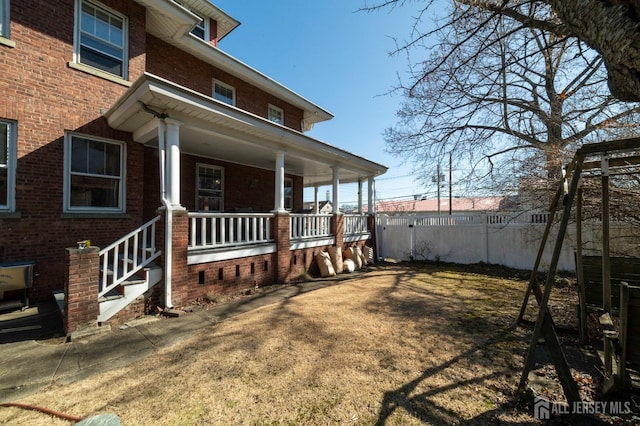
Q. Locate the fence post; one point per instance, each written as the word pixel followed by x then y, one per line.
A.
pixel 412 241
pixel 484 238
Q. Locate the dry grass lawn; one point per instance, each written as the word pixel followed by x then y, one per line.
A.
pixel 398 346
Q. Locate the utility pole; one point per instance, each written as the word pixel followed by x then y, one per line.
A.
pixel 439 177
pixel 438 189
pixel 450 183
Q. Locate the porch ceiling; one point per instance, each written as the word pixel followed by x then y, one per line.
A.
pixel 213 129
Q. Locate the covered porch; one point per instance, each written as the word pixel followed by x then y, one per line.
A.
pixel 180 122
pixel 248 234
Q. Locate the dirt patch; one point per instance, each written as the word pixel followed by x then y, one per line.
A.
pixel 400 344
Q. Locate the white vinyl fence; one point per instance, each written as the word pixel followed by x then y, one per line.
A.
pixel 510 240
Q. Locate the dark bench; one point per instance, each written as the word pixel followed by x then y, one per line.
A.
pixel 623 269
pixel 622 347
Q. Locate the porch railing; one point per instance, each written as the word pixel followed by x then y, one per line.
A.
pixel 355 224
pixel 310 226
pixel 217 230
pixel 123 258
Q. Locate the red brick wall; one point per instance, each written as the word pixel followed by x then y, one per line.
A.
pixel 175 65
pixel 236 275
pixel 46 97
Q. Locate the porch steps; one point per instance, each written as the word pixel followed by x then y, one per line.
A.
pixel 128 291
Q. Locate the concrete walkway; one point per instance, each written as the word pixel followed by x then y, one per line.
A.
pixel 28 365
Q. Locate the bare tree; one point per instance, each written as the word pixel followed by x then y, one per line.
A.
pixel 505 91
pixel 608 26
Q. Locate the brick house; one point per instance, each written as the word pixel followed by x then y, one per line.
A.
pixel 124 124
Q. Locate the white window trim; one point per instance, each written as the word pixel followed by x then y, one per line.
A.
pixel 205 19
pixel 12 149
pixel 275 108
pixel 207 33
pixel 5 26
pixel 227 86
pixel 76 40
pixel 67 208
pixel 214 167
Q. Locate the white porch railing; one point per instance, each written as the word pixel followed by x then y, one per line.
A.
pixel 355 224
pixel 310 226
pixel 217 230
pixel 128 255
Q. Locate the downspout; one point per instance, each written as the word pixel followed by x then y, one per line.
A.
pixel 168 229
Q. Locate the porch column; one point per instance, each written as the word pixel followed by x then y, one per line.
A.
pixel 279 195
pixel 371 201
pixel 336 184
pixel 173 160
pixel 359 196
pixel 315 200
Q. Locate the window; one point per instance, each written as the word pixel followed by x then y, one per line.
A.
pixel 101 38
pixel 209 188
pixel 94 177
pixel 202 29
pixel 288 194
pixel 276 114
pixel 7 164
pixel 224 93
pixel 4 18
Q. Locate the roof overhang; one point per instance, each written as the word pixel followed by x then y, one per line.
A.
pixel 172 23
pixel 213 129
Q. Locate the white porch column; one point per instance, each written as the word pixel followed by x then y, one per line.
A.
pixel 173 160
pixel 359 196
pixel 371 201
pixel 279 194
pixel 315 200
pixel 336 185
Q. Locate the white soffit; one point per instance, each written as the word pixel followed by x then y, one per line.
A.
pixel 202 114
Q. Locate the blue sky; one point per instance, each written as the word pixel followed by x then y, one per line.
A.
pixel 338 59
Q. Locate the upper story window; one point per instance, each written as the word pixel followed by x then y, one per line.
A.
pixel 202 29
pixel 224 92
pixel 8 144
pixel 4 18
pixel 101 38
pixel 209 188
pixel 94 174
pixel 276 114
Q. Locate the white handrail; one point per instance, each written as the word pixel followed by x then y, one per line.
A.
pixel 310 226
pixel 355 224
pixel 214 230
pixel 128 255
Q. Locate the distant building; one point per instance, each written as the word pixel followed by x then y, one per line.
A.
pixel 458 205
pixel 324 207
